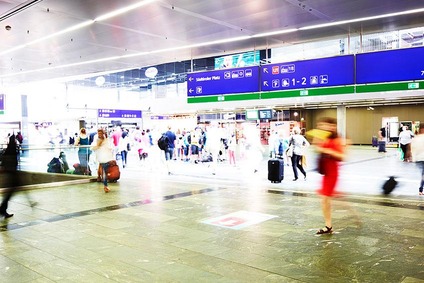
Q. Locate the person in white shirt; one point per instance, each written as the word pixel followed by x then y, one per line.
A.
pixel 103 149
pixel 405 138
pixel 299 143
pixel 417 150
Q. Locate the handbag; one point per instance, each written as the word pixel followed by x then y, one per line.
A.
pixel 322 164
pixel 289 151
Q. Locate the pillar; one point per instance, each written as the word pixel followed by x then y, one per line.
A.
pixel 341 120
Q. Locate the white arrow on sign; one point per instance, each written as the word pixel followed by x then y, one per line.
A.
pixel 190 79
pixel 190 90
pixel 265 83
pixel 265 70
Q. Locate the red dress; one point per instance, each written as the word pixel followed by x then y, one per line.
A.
pixel 329 179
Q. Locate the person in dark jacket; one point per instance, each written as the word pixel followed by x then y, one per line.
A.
pixel 10 170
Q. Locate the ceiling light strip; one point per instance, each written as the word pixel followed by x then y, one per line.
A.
pixel 142 3
pixel 363 19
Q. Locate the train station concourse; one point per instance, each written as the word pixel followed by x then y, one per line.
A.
pixel 254 73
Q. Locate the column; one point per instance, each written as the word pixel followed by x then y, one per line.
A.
pixel 341 120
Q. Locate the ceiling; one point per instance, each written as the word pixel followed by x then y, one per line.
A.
pixel 39 39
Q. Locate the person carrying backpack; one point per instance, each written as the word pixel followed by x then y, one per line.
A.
pixel 169 150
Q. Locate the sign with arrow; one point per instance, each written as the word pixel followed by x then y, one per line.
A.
pixel 226 81
pixel 324 72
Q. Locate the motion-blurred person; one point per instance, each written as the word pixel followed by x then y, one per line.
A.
pixel 405 138
pixel 10 168
pixel 232 145
pixel 103 149
pixel 254 149
pixel 417 150
pixel 213 143
pixel 299 144
pixel 332 152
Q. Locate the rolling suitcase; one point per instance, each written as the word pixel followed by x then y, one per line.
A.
pixel 113 174
pixel 374 141
pixel 275 170
pixel 389 185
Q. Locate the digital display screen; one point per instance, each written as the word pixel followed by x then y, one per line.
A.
pixel 265 114
pixel 389 66
pixel 251 58
pixel 314 73
pixel 238 80
pixel 252 115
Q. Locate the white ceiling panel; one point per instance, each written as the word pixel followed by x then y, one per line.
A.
pixel 166 25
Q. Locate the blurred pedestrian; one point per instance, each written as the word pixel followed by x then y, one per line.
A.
pixel 232 145
pixel 331 152
pixel 417 150
pixel 103 149
pixel 405 138
pixel 123 147
pixel 299 144
pixel 10 170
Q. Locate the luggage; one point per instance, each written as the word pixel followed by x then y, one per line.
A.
pixel 374 141
pixel 81 170
pixel 275 170
pixel 389 185
pixel 381 146
pixel 113 174
pixel 55 166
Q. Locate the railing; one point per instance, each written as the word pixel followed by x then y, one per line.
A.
pixel 37 158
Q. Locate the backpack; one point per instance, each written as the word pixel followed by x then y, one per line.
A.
pixel 55 166
pixel 163 142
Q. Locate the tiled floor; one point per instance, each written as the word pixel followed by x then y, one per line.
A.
pixel 234 226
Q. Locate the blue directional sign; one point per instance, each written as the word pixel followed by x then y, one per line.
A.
pixel 325 72
pixel 238 80
pixel 389 66
pixel 114 113
pixel 1 103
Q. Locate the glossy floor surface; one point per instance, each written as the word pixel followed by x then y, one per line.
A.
pixel 234 226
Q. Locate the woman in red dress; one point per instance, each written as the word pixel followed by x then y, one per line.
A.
pixel 332 152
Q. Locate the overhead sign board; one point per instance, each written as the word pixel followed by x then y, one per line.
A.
pixel 115 113
pixel 238 80
pixel 325 72
pixel 1 103
pixel 389 66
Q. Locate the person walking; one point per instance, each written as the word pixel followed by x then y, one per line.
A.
pixel 169 151
pixel 417 150
pixel 123 146
pixel 405 138
pixel 83 143
pixel 10 167
pixel 299 144
pixel 331 152
pixel 232 145
pixel 104 154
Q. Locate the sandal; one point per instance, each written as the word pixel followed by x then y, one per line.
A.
pixel 326 230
